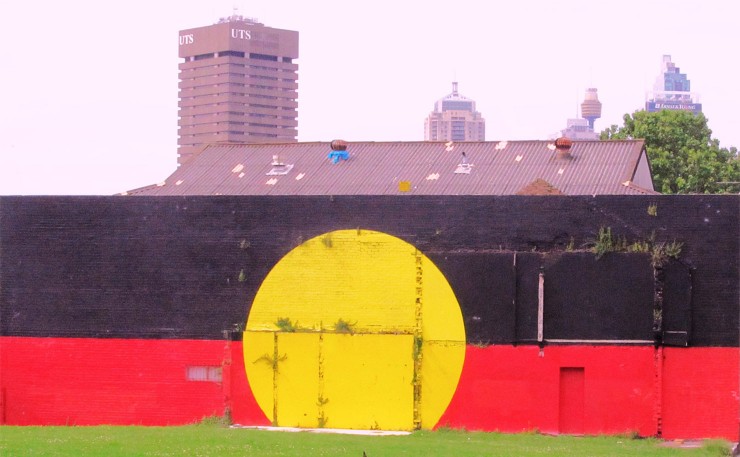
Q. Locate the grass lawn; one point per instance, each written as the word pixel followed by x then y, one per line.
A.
pixel 207 440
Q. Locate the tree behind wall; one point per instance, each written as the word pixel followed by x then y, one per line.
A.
pixel 683 155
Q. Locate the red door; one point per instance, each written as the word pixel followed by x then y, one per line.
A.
pixel 571 400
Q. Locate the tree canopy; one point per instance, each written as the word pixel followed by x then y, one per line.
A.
pixel 683 155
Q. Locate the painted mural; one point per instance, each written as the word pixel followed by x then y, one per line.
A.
pixel 484 313
pixel 354 329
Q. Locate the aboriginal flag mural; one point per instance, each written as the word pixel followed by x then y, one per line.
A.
pixel 372 337
pixel 396 313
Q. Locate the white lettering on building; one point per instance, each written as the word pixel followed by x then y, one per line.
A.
pixel 241 34
pixel 186 39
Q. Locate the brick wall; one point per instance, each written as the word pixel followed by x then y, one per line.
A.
pixel 129 291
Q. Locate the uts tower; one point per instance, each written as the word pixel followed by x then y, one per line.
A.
pixel 238 83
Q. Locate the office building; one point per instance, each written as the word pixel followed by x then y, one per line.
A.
pixel 672 90
pixel 238 83
pixel 454 119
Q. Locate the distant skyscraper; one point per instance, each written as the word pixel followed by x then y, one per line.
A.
pixel 238 83
pixel 583 129
pixel 672 90
pixel 454 118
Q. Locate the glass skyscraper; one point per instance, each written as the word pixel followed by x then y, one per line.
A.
pixel 672 90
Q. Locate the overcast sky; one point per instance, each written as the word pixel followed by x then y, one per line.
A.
pixel 88 90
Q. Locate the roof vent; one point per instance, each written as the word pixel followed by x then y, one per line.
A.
pixel 338 145
pixel 338 151
pixel 278 167
pixel 562 147
pixel 464 166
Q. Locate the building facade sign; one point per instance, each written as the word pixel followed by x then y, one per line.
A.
pixel 241 34
pixel 187 39
pixel 657 106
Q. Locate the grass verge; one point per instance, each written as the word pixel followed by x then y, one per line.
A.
pixel 209 439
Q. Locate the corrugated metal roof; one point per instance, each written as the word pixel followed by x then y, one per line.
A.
pixel 428 168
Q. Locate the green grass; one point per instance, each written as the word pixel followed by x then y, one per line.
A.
pixel 210 439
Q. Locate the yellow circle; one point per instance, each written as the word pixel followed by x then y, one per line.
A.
pixel 354 329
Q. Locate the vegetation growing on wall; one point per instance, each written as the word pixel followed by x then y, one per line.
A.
pixel 659 252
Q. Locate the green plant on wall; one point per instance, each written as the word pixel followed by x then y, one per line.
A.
pixel 658 257
pixel 603 242
pixel 639 246
pixel 286 325
pixel 659 252
pixel 673 249
pixel 271 360
pixel 342 326
pixel 418 344
pixel 663 251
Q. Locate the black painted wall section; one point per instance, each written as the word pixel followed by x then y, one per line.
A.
pixel 168 267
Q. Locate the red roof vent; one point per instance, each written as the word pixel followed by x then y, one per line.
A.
pixel 563 143
pixel 562 147
pixel 338 145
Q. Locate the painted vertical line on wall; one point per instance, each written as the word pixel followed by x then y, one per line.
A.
pixel 275 379
pixel 540 307
pixel 659 391
pixel 226 374
pixel 418 338
pixel 321 401
pixel 514 303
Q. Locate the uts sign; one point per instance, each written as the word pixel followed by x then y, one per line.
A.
pixel 241 34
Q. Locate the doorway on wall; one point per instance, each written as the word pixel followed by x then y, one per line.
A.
pixel 572 400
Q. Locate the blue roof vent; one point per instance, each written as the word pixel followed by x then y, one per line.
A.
pixel 338 151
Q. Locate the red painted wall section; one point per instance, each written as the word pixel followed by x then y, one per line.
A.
pixel 514 389
pixel 83 381
pixel 700 392
pixel 244 408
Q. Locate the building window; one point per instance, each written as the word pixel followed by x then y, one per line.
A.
pixel 204 56
pixel 256 56
pixel 207 374
pixel 231 53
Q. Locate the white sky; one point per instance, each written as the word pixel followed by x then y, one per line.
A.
pixel 88 90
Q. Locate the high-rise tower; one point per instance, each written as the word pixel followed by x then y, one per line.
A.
pixel 672 90
pixel 591 107
pixel 454 118
pixel 238 83
pixel 583 128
